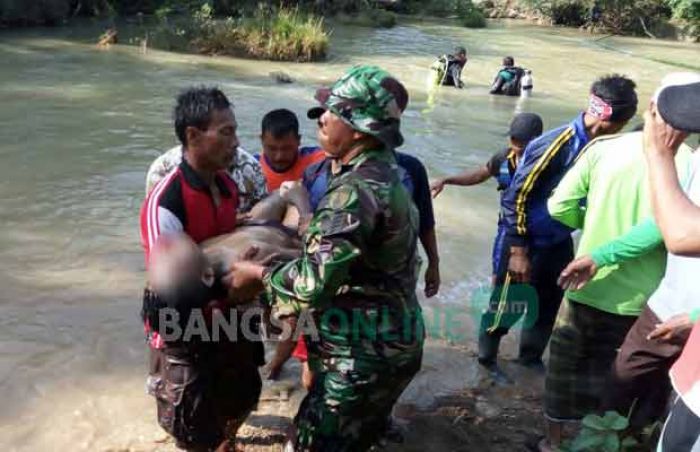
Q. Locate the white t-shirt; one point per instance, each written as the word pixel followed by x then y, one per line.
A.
pixel 677 293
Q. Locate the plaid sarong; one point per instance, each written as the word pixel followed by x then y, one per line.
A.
pixel 583 347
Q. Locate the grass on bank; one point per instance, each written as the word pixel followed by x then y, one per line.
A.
pixel 280 35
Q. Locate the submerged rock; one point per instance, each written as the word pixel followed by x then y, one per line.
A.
pixel 281 77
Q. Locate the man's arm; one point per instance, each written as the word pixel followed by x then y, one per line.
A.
pixel 471 177
pixel 426 228
pixel 565 203
pixel 497 84
pixel 642 238
pixel 678 218
pixel 432 273
pixel 638 241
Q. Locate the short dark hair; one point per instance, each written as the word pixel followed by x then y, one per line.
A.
pixel 460 50
pixel 508 61
pixel 194 107
pixel 618 91
pixel 280 123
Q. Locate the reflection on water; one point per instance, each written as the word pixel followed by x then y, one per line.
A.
pixel 80 127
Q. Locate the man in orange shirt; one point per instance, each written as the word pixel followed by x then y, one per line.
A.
pixel 282 158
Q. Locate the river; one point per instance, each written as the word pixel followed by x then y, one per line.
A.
pixel 80 127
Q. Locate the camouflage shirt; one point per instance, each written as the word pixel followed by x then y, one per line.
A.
pixel 357 275
pixel 245 172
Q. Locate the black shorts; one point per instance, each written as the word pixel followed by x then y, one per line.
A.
pixel 203 389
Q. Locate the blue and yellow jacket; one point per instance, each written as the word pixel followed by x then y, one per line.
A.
pixel 542 166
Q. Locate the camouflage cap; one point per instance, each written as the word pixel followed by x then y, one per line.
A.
pixel 369 100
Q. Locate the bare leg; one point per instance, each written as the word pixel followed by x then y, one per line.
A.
pixel 283 352
pixel 553 438
pixel 307 377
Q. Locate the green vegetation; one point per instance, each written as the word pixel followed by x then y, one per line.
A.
pixel 465 11
pixel 603 433
pixel 238 18
pixel 625 17
pixel 376 18
pixel 470 15
pixel 284 34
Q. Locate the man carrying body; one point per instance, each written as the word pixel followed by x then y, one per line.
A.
pixel 414 178
pixel 244 170
pixel 536 247
pixel 204 389
pixel 283 160
pixel 358 265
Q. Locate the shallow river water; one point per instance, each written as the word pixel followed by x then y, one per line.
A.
pixel 80 126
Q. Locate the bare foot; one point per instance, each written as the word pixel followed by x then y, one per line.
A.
pixel 544 446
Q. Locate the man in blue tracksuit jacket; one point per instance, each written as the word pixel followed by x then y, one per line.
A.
pixel 537 247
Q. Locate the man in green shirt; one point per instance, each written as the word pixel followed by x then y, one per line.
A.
pixel 605 193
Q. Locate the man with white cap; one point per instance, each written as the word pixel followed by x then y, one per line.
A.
pixel 605 193
pixel 675 115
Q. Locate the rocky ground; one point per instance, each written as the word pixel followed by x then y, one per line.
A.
pixel 450 406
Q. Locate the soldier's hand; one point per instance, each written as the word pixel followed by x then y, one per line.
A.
pixel 432 280
pixel 577 273
pixel 436 187
pixel 519 264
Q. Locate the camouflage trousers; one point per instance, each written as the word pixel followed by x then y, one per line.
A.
pixel 349 410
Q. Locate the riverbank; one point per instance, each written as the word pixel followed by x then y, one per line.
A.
pixel 434 413
pixel 87 123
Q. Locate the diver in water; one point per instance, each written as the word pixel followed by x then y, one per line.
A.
pixel 447 69
pixel 508 79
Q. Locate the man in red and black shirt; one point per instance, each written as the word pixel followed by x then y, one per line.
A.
pixel 204 389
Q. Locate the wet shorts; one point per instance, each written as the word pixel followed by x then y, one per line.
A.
pixel 204 390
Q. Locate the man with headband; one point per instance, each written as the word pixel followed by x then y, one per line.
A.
pixel 537 248
pixel 605 193
pixel 357 274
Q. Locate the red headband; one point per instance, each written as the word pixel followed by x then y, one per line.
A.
pixel 598 108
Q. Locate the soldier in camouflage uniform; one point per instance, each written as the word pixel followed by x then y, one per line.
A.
pixel 357 276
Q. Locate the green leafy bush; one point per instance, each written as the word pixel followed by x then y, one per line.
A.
pixel 572 13
pixel 605 434
pixel 469 14
pixel 284 34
